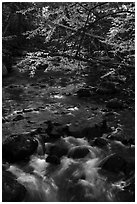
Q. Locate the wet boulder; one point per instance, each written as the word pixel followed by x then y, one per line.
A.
pixel 78 152
pixel 96 130
pixel 52 130
pixel 108 84
pixel 56 149
pixel 56 130
pixel 115 164
pixel 108 88
pixel 99 142
pixel 105 91
pixel 115 104
pixel 18 147
pixel 90 132
pixel 12 191
pixel 53 160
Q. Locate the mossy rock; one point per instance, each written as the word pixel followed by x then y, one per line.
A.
pixel 18 147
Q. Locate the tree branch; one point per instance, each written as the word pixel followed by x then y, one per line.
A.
pixel 73 29
pixel 110 14
pixel 83 34
pixel 80 3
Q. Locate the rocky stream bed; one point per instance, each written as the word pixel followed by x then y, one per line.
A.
pixel 63 142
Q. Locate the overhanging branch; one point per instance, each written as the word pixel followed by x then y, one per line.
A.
pixel 73 29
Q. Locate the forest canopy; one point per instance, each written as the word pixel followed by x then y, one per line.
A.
pixel 90 31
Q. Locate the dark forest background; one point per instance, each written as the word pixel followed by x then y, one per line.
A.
pixel 101 33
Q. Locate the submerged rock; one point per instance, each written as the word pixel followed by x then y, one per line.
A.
pixel 84 92
pixel 78 152
pixel 18 147
pixel 12 191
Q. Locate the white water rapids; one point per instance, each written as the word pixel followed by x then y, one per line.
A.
pixel 73 180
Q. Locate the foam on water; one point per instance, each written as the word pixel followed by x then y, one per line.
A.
pixel 73 180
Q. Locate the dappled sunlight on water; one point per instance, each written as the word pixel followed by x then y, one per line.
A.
pixel 58 96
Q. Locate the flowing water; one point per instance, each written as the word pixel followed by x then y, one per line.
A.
pixel 74 180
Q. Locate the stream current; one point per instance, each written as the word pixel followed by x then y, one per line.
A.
pixel 73 180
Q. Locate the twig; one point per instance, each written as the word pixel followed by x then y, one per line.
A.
pixel 83 34
pixel 73 29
